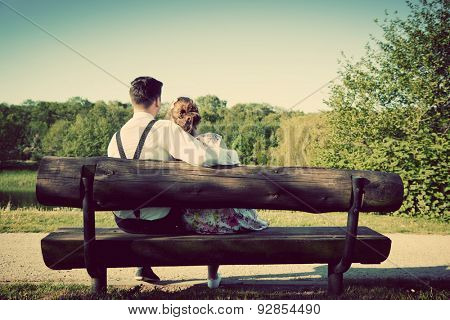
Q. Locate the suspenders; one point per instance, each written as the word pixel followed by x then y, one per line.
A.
pixel 140 145
pixel 138 151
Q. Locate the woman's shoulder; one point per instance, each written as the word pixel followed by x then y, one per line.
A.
pixel 163 123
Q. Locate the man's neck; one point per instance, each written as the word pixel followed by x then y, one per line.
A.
pixel 149 111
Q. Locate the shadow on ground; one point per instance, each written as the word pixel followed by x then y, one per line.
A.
pixel 319 276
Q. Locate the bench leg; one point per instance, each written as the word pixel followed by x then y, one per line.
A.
pixel 335 281
pixel 98 282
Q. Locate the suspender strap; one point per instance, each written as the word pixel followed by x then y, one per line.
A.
pixel 120 146
pixel 137 153
pixel 144 135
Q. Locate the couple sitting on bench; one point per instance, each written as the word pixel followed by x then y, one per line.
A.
pixel 142 137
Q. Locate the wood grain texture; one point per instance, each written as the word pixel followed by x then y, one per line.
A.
pixel 59 180
pixel 63 249
pixel 130 184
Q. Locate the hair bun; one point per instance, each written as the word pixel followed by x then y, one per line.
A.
pixel 184 112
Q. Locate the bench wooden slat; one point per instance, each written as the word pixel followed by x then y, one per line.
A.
pixel 63 249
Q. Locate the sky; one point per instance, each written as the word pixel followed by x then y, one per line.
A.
pixel 275 52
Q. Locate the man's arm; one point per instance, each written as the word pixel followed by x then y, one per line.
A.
pixel 185 147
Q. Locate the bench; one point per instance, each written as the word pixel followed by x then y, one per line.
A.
pixel 104 184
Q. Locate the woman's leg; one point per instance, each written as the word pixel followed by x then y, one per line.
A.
pixel 212 271
pixel 214 277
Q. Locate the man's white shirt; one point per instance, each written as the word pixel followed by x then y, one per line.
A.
pixel 165 141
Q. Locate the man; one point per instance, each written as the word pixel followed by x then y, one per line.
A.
pixel 142 137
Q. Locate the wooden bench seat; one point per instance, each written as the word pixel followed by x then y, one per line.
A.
pixel 63 249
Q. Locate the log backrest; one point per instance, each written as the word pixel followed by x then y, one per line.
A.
pixel 130 184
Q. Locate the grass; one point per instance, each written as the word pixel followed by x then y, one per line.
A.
pixel 17 180
pixel 384 290
pixel 380 223
pixel 39 220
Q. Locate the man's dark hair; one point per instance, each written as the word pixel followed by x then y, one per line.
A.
pixel 145 90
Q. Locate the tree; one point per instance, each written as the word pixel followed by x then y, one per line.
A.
pixel 212 110
pixel 52 143
pixel 90 134
pixel 24 127
pixel 390 112
pixel 250 129
pixel 11 131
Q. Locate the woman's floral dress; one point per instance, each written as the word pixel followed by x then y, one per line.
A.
pixel 220 221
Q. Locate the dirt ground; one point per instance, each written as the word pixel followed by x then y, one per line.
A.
pixel 412 257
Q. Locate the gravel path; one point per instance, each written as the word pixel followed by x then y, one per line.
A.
pixel 412 256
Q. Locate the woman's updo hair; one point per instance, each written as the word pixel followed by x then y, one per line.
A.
pixel 184 112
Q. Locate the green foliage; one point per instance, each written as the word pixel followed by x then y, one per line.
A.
pixel 80 128
pixel 391 113
pixel 23 127
pixel 90 134
pixel 248 128
pixel 212 111
pixel 301 138
pixel 72 128
pixel 10 132
pixel 251 129
pixel 53 141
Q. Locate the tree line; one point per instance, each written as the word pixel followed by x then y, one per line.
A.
pixel 79 127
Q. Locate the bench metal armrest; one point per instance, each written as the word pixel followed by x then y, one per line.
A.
pixel 89 226
pixel 352 225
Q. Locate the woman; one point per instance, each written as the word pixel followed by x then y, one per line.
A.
pixel 185 113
